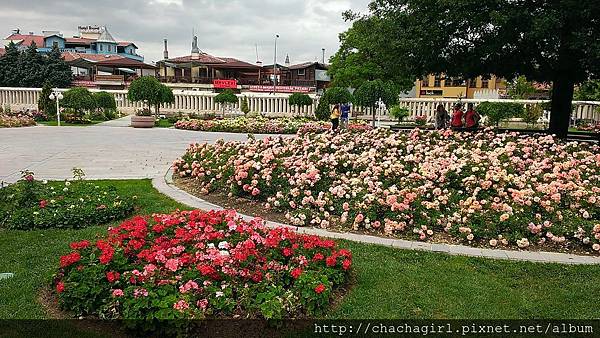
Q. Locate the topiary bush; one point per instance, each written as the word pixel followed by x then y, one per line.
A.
pixel 299 100
pixel 106 104
pixel 79 99
pixel 497 112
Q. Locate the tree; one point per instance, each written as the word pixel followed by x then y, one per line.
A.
pixel 149 90
pixel 56 70
pixel 520 88
pixel 369 93
pixel 105 101
pixel 244 107
pixel 544 40
pixel 300 100
pixel 31 67
pixel 10 74
pixel 226 98
pixel 45 104
pixel 333 95
pixel 588 91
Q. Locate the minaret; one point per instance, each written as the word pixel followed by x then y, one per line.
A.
pixel 166 51
pixel 287 60
pixel 195 49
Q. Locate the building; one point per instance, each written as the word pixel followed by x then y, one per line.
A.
pixel 302 77
pixel 96 57
pixel 202 70
pixel 440 86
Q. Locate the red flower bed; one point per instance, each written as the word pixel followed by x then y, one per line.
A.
pixel 196 264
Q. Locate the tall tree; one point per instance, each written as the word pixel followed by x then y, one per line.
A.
pixel 9 67
pixel 31 67
pixel 370 92
pixel 56 70
pixel 545 40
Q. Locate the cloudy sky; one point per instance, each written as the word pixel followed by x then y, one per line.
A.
pixel 224 27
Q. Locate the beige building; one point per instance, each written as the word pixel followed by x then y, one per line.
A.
pixel 439 86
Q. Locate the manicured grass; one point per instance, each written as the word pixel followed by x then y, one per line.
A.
pixel 390 283
pixel 164 123
pixel 54 123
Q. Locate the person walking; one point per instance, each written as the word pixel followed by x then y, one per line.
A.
pixel 441 117
pixel 457 117
pixel 335 117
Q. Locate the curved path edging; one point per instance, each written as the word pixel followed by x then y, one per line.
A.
pixel 165 185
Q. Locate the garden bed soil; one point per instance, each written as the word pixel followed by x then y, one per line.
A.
pixel 256 208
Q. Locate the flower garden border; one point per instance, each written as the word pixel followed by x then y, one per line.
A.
pixel 165 185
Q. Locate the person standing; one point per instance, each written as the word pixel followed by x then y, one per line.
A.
pixel 471 118
pixel 335 117
pixel 345 117
pixel 457 117
pixel 441 117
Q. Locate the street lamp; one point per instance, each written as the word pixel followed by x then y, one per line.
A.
pixel 56 95
pixel 275 66
pixel 381 106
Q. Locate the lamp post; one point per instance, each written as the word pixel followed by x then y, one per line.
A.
pixel 381 106
pixel 275 66
pixel 56 95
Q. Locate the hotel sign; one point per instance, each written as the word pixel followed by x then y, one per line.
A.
pixel 222 84
pixel 89 29
pixel 282 89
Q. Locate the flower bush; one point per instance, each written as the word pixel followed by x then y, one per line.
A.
pixel 30 204
pixel 255 125
pixel 196 264
pixel 12 121
pixel 482 188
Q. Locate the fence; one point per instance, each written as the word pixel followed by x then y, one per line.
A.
pixel 185 101
pixel 582 110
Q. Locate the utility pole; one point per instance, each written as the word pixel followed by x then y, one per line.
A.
pixel 275 66
pixel 323 50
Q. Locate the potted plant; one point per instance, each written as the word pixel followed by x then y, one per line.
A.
pixel 143 119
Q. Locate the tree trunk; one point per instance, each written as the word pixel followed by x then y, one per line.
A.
pixel 562 98
pixel 373 111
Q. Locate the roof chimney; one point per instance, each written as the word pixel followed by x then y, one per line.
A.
pixel 166 51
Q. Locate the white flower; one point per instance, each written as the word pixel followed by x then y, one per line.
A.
pixel 219 294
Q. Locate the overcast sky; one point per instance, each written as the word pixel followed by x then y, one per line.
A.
pixel 224 28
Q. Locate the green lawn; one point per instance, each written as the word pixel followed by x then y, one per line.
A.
pixel 390 283
pixel 164 123
pixel 54 123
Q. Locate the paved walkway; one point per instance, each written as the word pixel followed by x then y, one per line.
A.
pixel 102 151
pixel 165 185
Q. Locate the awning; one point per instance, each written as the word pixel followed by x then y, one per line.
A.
pixel 127 70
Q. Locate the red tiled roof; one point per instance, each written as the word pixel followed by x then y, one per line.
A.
pixel 203 58
pixel 28 39
pixel 106 60
pixel 126 43
pixel 235 63
pixel 83 41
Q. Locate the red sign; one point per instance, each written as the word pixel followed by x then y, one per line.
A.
pixel 282 89
pixel 221 84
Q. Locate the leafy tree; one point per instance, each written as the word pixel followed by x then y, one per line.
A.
pixel 399 112
pixel 333 95
pixel 56 70
pixel 149 90
pixel 226 98
pixel 44 103
pixel 166 96
pixel 10 74
pixel 520 88
pixel 588 91
pixel 532 113
pixel 79 99
pixel 244 107
pixel 544 40
pixel 369 93
pixel 299 100
pixel 497 112
pixel 31 66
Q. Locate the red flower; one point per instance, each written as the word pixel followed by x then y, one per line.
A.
pixel 112 276
pixel 296 273
pixel 331 261
pixel 318 256
pixel 43 204
pixel 80 245
pixel 346 264
pixel 107 255
pixel 60 287
pixel 320 288
pixel 287 252
pixel 69 259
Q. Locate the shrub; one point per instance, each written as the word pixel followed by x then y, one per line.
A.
pixel 532 113
pixel 497 112
pixel 149 90
pixel 9 121
pixel 226 96
pixel 299 100
pixel 31 204
pixel 256 125
pixel 322 112
pixel 420 120
pixel 244 107
pixel 79 99
pixel 196 264
pixel 45 104
pixel 478 187
pixel 105 102
pixel 399 112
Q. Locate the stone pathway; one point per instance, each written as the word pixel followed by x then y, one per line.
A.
pixel 121 122
pixel 165 185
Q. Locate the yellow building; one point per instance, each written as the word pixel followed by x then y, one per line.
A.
pixel 439 86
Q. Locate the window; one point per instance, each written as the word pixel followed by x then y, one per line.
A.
pixel 455 82
pixel 101 48
pixel 55 44
pixel 437 81
pixel 425 81
pixel 302 72
pixel 485 83
pixel 472 83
